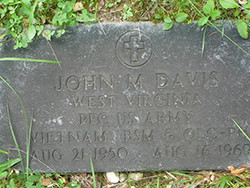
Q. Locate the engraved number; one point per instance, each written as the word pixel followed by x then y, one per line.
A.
pixel 203 151
pixel 111 153
pixel 122 153
pixel 246 148
pixel 236 150
pixel 79 154
pixel 103 153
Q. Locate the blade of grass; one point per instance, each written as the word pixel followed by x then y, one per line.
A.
pixel 169 173
pixel 223 182
pixel 5 152
pixel 182 174
pixel 93 171
pixel 6 165
pixel 28 146
pixel 32 13
pixel 203 40
pixel 26 59
pixel 191 185
pixel 241 129
pixel 219 29
pixel 25 116
pixel 14 137
pixel 223 29
pixel 179 182
pixel 24 112
pixel 25 5
pixel 158 183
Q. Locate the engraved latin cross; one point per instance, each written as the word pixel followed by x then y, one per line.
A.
pixel 133 46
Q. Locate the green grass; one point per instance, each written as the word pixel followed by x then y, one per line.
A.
pixel 93 172
pixel 241 129
pixel 211 179
pixel 26 59
pixel 24 20
pixel 14 137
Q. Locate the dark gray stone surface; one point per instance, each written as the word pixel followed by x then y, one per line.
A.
pixel 132 95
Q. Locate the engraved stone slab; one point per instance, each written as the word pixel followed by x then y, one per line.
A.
pixel 133 96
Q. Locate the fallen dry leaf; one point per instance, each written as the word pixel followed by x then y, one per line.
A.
pixel 46 182
pixel 242 2
pixel 101 3
pixel 238 171
pixel 78 6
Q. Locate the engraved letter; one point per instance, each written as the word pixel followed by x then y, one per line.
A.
pixel 188 115
pixel 204 79
pixel 157 153
pixel 86 82
pixel 102 118
pixel 146 100
pixel 189 134
pixel 159 100
pixel 73 83
pixel 60 84
pixel 137 134
pixel 34 154
pixel 56 155
pixel 83 118
pixel 51 137
pixel 101 99
pixel 176 99
pixel 130 100
pixel 119 118
pixel 91 102
pixel 127 136
pixel 86 137
pixel 135 84
pixel 35 138
pixel 177 81
pixel 132 117
pixel 110 84
pixel 150 136
pixel 44 152
pixel 192 80
pixel 149 119
pixel 160 117
pixel 197 99
pixel 162 80
pixel 212 131
pixel 91 117
pixel 111 97
pixel 76 137
pixel 215 80
pixel 169 135
pixel 101 138
pixel 172 118
pixel 78 101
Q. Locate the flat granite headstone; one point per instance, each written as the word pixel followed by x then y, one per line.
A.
pixel 132 96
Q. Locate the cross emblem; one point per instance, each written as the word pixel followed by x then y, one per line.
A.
pixel 133 45
pixel 134 49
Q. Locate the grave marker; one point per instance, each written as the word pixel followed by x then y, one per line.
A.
pixel 132 95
